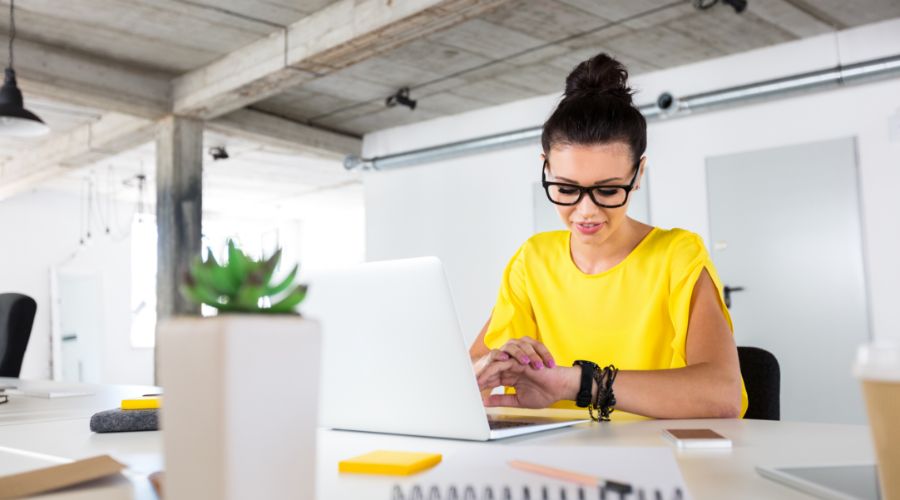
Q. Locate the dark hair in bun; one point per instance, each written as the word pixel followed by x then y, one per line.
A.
pixel 597 109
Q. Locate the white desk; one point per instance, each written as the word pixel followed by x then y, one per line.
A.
pixel 37 432
pixel 34 409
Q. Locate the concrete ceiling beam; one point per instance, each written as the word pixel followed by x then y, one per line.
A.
pixel 60 74
pixel 264 128
pixel 342 34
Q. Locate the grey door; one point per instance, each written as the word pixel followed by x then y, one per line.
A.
pixel 81 325
pixel 785 226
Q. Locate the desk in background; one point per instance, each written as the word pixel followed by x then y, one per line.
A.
pixel 36 432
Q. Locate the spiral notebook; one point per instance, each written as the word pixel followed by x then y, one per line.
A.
pixel 525 492
pixel 649 472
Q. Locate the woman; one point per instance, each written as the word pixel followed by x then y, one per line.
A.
pixel 608 290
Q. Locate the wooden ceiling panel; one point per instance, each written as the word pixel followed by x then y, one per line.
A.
pixel 384 118
pixel 167 35
pixel 790 18
pixel 548 20
pixel 486 39
pixel 492 91
pixel 107 43
pixel 434 57
pixel 343 85
pixel 334 120
pixel 521 49
pixel 509 53
pixel 567 63
pixel 391 73
pixel 302 109
pixel 729 33
pixel 663 47
pixel 622 9
pixel 849 13
pixel 538 56
pixel 538 79
pixel 447 103
pixel 282 12
pixel 661 14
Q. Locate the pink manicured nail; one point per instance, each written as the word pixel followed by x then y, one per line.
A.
pixel 551 364
pixel 537 365
pixel 524 360
pixel 502 356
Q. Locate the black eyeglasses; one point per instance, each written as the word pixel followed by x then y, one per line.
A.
pixel 606 196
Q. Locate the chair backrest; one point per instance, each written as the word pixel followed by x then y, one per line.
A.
pixel 16 317
pixel 762 379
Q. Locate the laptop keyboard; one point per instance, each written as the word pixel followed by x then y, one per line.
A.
pixel 507 424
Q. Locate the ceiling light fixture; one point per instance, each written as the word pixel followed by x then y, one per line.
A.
pixel 401 98
pixel 15 120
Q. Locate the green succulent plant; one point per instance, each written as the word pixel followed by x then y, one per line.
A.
pixel 242 284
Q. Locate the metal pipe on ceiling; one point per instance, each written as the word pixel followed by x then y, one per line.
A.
pixel 674 108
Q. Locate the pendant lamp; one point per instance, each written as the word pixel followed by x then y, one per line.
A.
pixel 15 120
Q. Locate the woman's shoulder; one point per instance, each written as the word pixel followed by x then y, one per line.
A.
pixel 677 235
pixel 547 239
pixel 675 241
pixel 542 246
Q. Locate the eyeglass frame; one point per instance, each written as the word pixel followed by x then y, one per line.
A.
pixel 581 189
pixel 4 398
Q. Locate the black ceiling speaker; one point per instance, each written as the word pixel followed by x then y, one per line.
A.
pixel 218 153
pixel 401 98
pixel 739 5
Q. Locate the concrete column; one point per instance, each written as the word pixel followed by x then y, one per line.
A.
pixel 179 209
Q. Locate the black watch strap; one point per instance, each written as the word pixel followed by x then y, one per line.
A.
pixel 585 390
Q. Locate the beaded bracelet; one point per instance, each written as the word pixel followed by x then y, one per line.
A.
pixel 605 400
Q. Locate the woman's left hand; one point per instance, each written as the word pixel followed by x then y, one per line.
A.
pixel 534 388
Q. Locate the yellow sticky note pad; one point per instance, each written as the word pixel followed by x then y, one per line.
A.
pixel 141 403
pixel 396 463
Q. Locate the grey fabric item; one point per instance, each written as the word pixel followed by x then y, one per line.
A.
pixel 119 420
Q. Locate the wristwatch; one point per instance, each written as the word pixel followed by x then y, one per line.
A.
pixel 585 391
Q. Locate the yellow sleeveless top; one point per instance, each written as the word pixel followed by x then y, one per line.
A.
pixel 633 315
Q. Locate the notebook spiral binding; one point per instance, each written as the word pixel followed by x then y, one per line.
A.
pixel 419 492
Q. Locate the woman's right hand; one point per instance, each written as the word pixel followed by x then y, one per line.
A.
pixel 525 350
pixel 528 351
pixel 528 366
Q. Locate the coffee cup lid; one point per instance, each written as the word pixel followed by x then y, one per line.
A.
pixel 879 360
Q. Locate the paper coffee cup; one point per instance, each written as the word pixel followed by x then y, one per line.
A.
pixel 878 368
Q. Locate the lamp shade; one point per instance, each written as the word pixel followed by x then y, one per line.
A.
pixel 15 120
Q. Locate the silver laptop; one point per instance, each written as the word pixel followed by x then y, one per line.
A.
pixel 393 356
pixel 836 482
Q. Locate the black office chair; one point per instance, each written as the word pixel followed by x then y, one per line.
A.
pixel 762 379
pixel 16 317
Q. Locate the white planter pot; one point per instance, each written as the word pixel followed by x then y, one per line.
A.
pixel 240 406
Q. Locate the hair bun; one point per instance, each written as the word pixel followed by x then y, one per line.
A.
pixel 600 74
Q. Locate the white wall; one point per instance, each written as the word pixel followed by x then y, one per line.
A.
pixel 474 211
pixel 42 230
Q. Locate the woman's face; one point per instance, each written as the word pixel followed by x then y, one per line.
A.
pixel 595 165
